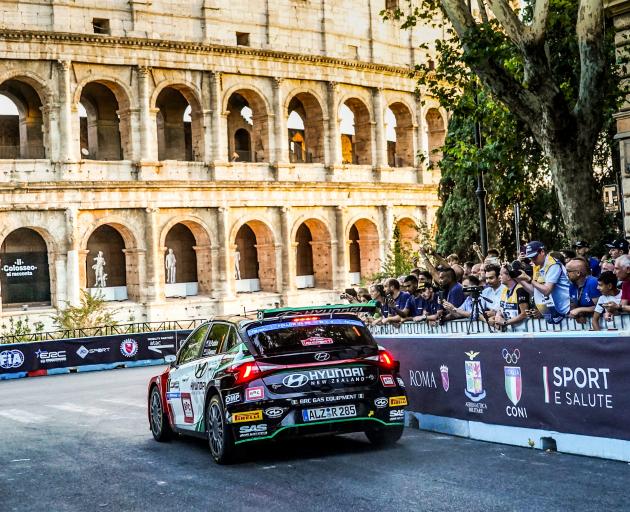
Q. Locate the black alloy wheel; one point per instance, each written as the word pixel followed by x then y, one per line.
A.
pixel 384 436
pixel 160 427
pixel 220 438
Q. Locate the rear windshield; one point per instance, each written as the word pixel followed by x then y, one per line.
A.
pixel 318 334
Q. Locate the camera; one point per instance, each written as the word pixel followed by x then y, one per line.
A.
pixel 474 291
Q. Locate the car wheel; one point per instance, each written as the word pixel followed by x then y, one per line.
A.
pixel 384 436
pixel 160 427
pixel 219 433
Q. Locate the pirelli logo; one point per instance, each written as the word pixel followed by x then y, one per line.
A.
pixel 397 401
pixel 243 417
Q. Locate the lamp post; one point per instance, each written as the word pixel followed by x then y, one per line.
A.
pixel 481 190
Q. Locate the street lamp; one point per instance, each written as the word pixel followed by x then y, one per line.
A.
pixel 481 190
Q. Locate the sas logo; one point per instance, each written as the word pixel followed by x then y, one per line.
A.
pixel 397 401
pixel 397 415
pixel 388 381
pixel 253 430
pixel 129 347
pixel 380 402
pixel 254 393
pixel 11 359
pixel 243 417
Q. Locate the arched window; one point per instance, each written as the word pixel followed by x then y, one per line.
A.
pixel 180 262
pixel 21 122
pixel 179 126
pixel 364 250
pixel 247 112
pixel 306 129
pixel 437 135
pixel 313 255
pixel 99 123
pixel 106 265
pixel 356 133
pixel 242 146
pixel 400 147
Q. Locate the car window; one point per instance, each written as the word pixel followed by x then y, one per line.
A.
pixel 232 340
pixel 218 333
pixel 191 349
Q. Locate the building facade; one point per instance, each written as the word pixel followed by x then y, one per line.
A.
pixel 186 159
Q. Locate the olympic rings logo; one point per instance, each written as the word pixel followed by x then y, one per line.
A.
pixel 511 358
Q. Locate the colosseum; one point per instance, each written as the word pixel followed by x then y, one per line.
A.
pixel 186 159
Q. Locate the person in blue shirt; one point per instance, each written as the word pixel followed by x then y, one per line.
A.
pixel 581 249
pixel 583 291
pixel 399 305
pixel 428 307
pixel 453 291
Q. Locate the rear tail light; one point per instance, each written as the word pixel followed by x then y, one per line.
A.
pixel 249 371
pixel 386 360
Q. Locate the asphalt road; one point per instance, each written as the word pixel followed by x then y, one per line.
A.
pixel 81 443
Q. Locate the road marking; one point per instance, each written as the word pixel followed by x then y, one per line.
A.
pixel 119 401
pixel 69 407
pixel 22 416
pixel 20 460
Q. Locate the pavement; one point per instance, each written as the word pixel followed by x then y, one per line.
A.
pixel 81 442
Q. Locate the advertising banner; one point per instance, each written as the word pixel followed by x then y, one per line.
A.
pixel 37 358
pixel 577 385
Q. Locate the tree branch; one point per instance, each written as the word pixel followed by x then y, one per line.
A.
pixel 459 15
pixel 508 19
pixel 482 11
pixel 536 31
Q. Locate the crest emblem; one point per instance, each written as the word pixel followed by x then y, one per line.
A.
pixel 445 379
pixel 513 380
pixel 474 384
pixel 129 347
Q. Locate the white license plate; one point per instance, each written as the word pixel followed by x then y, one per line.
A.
pixel 328 413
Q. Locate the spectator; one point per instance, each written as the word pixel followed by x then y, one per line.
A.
pixel 622 271
pixel 479 272
pixel 416 272
pixel 428 308
pixel 607 265
pixel 398 305
pixel 453 262
pixel 609 299
pixel 350 295
pixel 493 290
pixel 363 295
pixel 514 301
pixel 549 284
pixel 617 248
pixel 466 309
pixel 377 293
pixel 582 248
pixel 425 278
pixel 468 266
pixel 410 285
pixel 453 291
pixel 583 289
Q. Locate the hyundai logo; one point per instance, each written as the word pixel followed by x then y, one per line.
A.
pixel 274 412
pixel 295 380
pixel 322 356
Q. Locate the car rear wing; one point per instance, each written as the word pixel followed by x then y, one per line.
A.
pixel 328 309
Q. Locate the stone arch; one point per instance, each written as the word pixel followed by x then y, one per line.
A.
pixel 308 106
pixel 401 152
pixel 202 250
pixel 436 129
pixel 178 139
pixel 112 238
pixel 247 109
pixel 22 136
pixel 313 254
pixel 357 147
pixel 256 245
pixel 408 230
pixel 27 258
pixel 364 248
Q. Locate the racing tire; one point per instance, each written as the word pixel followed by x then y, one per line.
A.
pixel 384 436
pixel 219 433
pixel 158 421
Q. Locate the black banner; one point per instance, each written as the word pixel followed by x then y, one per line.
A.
pixel 24 277
pixel 578 385
pixel 37 358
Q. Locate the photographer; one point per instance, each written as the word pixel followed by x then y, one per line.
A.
pixel 514 301
pixel 398 305
pixel 350 295
pixel 466 308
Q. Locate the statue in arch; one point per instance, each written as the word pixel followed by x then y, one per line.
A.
pixel 100 277
pixel 237 264
pixel 171 267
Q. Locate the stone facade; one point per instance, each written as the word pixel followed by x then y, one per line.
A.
pixel 185 140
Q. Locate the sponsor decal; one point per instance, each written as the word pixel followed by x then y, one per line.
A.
pixel 173 384
pixel 11 359
pixel 388 381
pixel 200 370
pixel 578 387
pixel 401 382
pixel 445 380
pixel 380 402
pixel 322 356
pixel 316 340
pixel 171 395
pixel 513 383
pixel 397 401
pixel 232 398
pixel 328 399
pixel 47 357
pixel 129 347
pixel 397 415
pixel 83 352
pixel 197 385
pixel 256 393
pixel 422 379
pixel 252 430
pixel 274 412
pixel 325 376
pixel 187 406
pixel 474 384
pixel 244 417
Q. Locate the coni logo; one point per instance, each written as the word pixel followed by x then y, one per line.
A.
pixel 11 359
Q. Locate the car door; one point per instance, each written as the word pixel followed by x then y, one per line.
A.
pixel 180 378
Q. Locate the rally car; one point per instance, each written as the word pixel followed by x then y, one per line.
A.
pixel 290 372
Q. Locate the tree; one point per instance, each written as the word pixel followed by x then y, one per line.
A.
pixel 91 312
pixel 552 65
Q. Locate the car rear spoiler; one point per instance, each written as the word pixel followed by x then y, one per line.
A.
pixel 328 309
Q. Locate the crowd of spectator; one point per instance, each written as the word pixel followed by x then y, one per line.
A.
pixel 541 284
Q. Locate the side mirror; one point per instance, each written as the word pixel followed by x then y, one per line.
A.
pixel 170 359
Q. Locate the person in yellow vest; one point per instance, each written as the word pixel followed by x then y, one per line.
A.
pixel 513 304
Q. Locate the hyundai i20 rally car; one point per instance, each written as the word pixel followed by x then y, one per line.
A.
pixel 291 373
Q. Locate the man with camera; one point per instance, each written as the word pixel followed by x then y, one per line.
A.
pixel 399 305
pixel 473 290
pixel 549 284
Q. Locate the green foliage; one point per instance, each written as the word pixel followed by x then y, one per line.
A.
pixel 19 330
pixel 91 312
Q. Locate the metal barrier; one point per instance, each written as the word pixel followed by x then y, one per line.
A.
pixel 618 323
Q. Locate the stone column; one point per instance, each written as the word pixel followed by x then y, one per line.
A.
pixel 148 128
pixel 218 130
pixel 333 146
pixel 59 299
pixel 387 213
pixel 422 141
pixel 342 264
pixel 66 151
pixel 154 280
pixel 289 265
pixel 281 134
pixel 50 114
pixel 380 146
pixel 226 279
pixel 204 268
pixel 73 282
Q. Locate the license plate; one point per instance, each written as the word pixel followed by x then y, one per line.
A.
pixel 328 413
